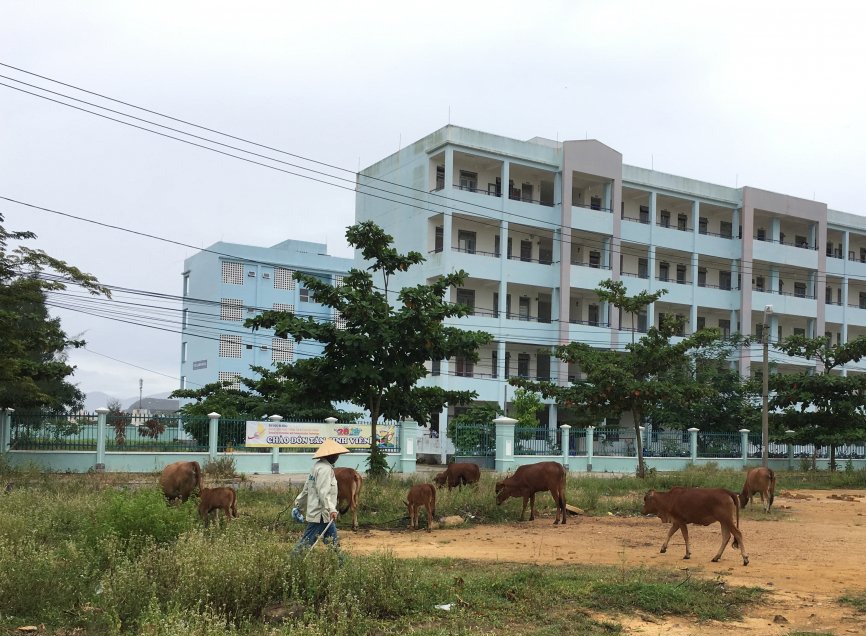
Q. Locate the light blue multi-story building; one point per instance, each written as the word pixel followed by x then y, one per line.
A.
pixel 538 224
pixel 227 283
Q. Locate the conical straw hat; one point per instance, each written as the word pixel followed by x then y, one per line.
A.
pixel 330 447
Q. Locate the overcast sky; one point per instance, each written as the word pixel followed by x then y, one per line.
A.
pixel 767 94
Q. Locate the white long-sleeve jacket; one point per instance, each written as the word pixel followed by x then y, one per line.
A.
pixel 319 493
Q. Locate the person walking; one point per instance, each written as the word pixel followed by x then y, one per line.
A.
pixel 319 494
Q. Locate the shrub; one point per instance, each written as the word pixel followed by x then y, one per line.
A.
pixel 222 468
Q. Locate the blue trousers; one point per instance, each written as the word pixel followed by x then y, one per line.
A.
pixel 313 531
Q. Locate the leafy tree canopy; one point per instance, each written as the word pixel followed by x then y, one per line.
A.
pixel 35 369
pixel 376 353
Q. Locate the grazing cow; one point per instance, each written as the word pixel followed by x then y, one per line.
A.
pixel 456 475
pixel 530 479
pixel 216 499
pixel 179 479
pixel 421 495
pixel 349 483
pixel 759 480
pixel 703 506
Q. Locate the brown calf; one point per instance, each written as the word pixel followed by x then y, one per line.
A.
pixel 179 480
pixel 533 478
pixel 456 475
pixel 216 499
pixel 421 495
pixel 759 480
pixel 349 483
pixel 703 506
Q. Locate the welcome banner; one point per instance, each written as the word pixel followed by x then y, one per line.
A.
pixel 311 435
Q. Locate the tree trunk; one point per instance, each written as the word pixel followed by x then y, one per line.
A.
pixel 638 442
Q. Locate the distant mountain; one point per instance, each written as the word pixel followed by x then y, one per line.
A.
pixel 97 399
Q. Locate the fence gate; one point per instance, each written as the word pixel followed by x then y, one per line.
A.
pixel 477 443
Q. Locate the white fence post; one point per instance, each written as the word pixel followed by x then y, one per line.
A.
pixel 504 443
pixel 693 444
pixel 212 435
pixel 789 433
pixel 590 443
pixel 744 445
pixel 275 450
pixel 6 429
pixel 101 420
pixel 566 433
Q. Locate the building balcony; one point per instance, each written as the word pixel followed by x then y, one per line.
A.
pixel 804 256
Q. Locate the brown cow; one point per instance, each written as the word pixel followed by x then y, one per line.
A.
pixel 216 499
pixel 530 479
pixel 421 495
pixel 456 475
pixel 178 480
pixel 759 480
pixel 349 483
pixel 702 506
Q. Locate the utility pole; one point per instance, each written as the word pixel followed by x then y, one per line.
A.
pixel 765 418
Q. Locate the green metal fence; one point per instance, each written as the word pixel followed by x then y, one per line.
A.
pixel 475 440
pixel 61 431
pixel 150 434
pixel 666 444
pixel 537 441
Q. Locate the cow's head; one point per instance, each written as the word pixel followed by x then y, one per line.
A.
pixel 503 492
pixel 440 478
pixel 650 504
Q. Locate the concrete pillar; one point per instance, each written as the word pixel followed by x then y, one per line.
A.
pixel 275 451
pixel 504 443
pixel 789 433
pixel 590 442
pixel 744 445
pixel 213 434
pixel 776 229
pixel 693 444
pixel 446 214
pixel 566 432
pixel 101 421
pixel 408 435
pixel 5 429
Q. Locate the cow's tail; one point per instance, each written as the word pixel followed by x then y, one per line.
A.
pixel 561 502
pixel 433 501
pixel 198 480
pixel 234 506
pixel 736 505
pixel 772 487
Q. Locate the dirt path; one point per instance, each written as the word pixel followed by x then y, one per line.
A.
pixel 810 552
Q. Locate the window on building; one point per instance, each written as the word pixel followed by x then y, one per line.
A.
pixel 523 308
pixel 828 298
pixel 642 268
pixel 230 346
pixel 231 309
pixel 526 192
pixel 542 362
pixel 523 365
pixel 497 246
pixel 284 278
pixel 759 283
pixel 642 321
pixel 726 229
pixel 778 333
pixel 507 365
pixel 227 376
pixel 703 224
pixel 595 203
pixel 681 274
pixel 759 331
pixel 594 259
pixel 761 234
pixel 781 286
pixel 799 331
pixel 702 276
pixel 800 290
pixel 440 177
pixel 439 240
pixel 525 250
pixel 702 323
pixel 233 273
pixel 682 222
pixel 725 327
pixel 306 295
pixel 494 363
pixel 545 251
pixel 839 296
pixel 468 180
pixel 643 215
pixel 466 297
pixel 592 314
pixel 724 280
pixel 862 300
pixel 282 349
pixel 664 271
pixel 463 367
pixel 665 218
pixel 801 241
pixel 466 241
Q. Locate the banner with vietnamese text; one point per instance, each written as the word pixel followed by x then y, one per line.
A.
pixel 311 434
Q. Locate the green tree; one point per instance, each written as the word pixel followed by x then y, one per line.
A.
pixel 633 381
pixel 473 430
pixel 117 420
pixel 376 354
pixel 525 407
pixel 615 293
pixel 825 409
pixel 35 369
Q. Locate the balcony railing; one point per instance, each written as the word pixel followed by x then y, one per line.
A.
pixel 801 244
pixel 592 206
pixel 590 323
pixel 588 264
pixel 794 294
